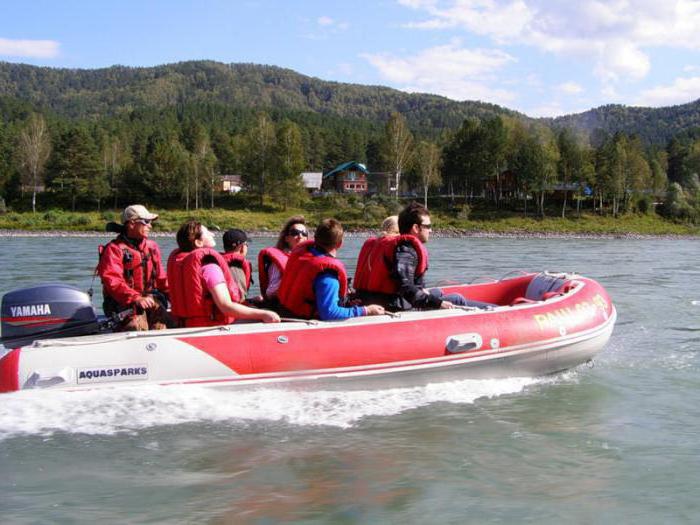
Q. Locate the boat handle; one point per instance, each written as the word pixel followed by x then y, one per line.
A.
pixel 49 378
pixel 458 343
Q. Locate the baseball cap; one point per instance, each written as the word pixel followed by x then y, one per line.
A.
pixel 233 238
pixel 137 211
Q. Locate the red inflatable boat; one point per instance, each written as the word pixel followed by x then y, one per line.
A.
pixel 543 323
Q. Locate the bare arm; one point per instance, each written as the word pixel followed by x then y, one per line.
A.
pixel 222 299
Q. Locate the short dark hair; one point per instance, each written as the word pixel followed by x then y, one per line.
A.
pixel 329 234
pixel 187 234
pixel 281 241
pixel 410 215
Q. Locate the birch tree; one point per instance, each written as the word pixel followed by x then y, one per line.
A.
pixel 429 163
pixel 115 156
pixel 571 165
pixel 289 154
pixel 197 141
pixel 34 149
pixel 261 142
pixel 398 144
pixel 203 161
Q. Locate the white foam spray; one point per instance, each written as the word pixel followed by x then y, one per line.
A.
pixel 112 411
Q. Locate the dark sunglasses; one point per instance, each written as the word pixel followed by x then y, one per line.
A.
pixel 145 222
pixel 294 232
pixel 426 226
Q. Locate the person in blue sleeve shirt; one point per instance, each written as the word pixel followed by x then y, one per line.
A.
pixel 315 282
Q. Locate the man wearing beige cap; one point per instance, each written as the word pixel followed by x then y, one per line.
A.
pixel 132 273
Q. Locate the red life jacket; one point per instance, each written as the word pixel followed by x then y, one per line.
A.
pixel 128 272
pixel 191 302
pixel 374 274
pixel 296 292
pixel 267 256
pixel 362 273
pixel 238 261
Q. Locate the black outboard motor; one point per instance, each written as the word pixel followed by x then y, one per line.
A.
pixel 45 312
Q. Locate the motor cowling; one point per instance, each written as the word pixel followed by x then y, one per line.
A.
pixel 45 312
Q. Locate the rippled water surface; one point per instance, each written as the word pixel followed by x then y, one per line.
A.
pixel 619 442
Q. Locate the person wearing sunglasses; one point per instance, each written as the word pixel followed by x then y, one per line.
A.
pixel 132 273
pixel 393 273
pixel 315 283
pixel 203 292
pixel 273 259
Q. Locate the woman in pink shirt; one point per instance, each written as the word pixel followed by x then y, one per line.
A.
pixel 192 301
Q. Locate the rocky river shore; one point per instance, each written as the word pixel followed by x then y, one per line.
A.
pixel 442 233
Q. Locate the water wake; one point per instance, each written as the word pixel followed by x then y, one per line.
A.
pixel 107 412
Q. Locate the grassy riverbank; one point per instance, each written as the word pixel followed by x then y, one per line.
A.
pixel 261 221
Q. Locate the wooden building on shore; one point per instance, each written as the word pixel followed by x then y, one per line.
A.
pixel 349 177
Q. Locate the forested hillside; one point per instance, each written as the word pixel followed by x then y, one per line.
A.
pixel 81 93
pixel 655 126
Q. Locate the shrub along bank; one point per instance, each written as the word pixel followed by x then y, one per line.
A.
pixel 355 219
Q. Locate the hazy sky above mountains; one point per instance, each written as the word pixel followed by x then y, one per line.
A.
pixel 543 58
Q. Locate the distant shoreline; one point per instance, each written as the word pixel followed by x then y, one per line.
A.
pixel 447 233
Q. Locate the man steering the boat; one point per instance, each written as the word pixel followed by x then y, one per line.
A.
pixel 315 283
pixel 393 274
pixel 134 282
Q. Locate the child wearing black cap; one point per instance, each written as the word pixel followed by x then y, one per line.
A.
pixel 235 252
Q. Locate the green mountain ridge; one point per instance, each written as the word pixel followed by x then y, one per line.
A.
pixel 93 93
pixel 653 125
pixel 78 93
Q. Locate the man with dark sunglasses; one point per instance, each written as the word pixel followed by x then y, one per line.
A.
pixel 393 273
pixel 132 273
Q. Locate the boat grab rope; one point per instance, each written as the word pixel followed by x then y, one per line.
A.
pixel 128 335
pixel 561 275
pixel 472 308
pixel 316 322
pixel 163 333
pixel 312 322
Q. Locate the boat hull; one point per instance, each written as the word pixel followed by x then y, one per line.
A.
pixel 525 362
pixel 413 348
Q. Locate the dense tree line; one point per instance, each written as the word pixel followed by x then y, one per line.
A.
pixel 511 162
pixel 171 152
pixel 514 164
pixel 170 157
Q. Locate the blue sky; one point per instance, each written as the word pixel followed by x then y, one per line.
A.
pixel 543 58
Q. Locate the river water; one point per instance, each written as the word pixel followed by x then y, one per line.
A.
pixel 618 442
